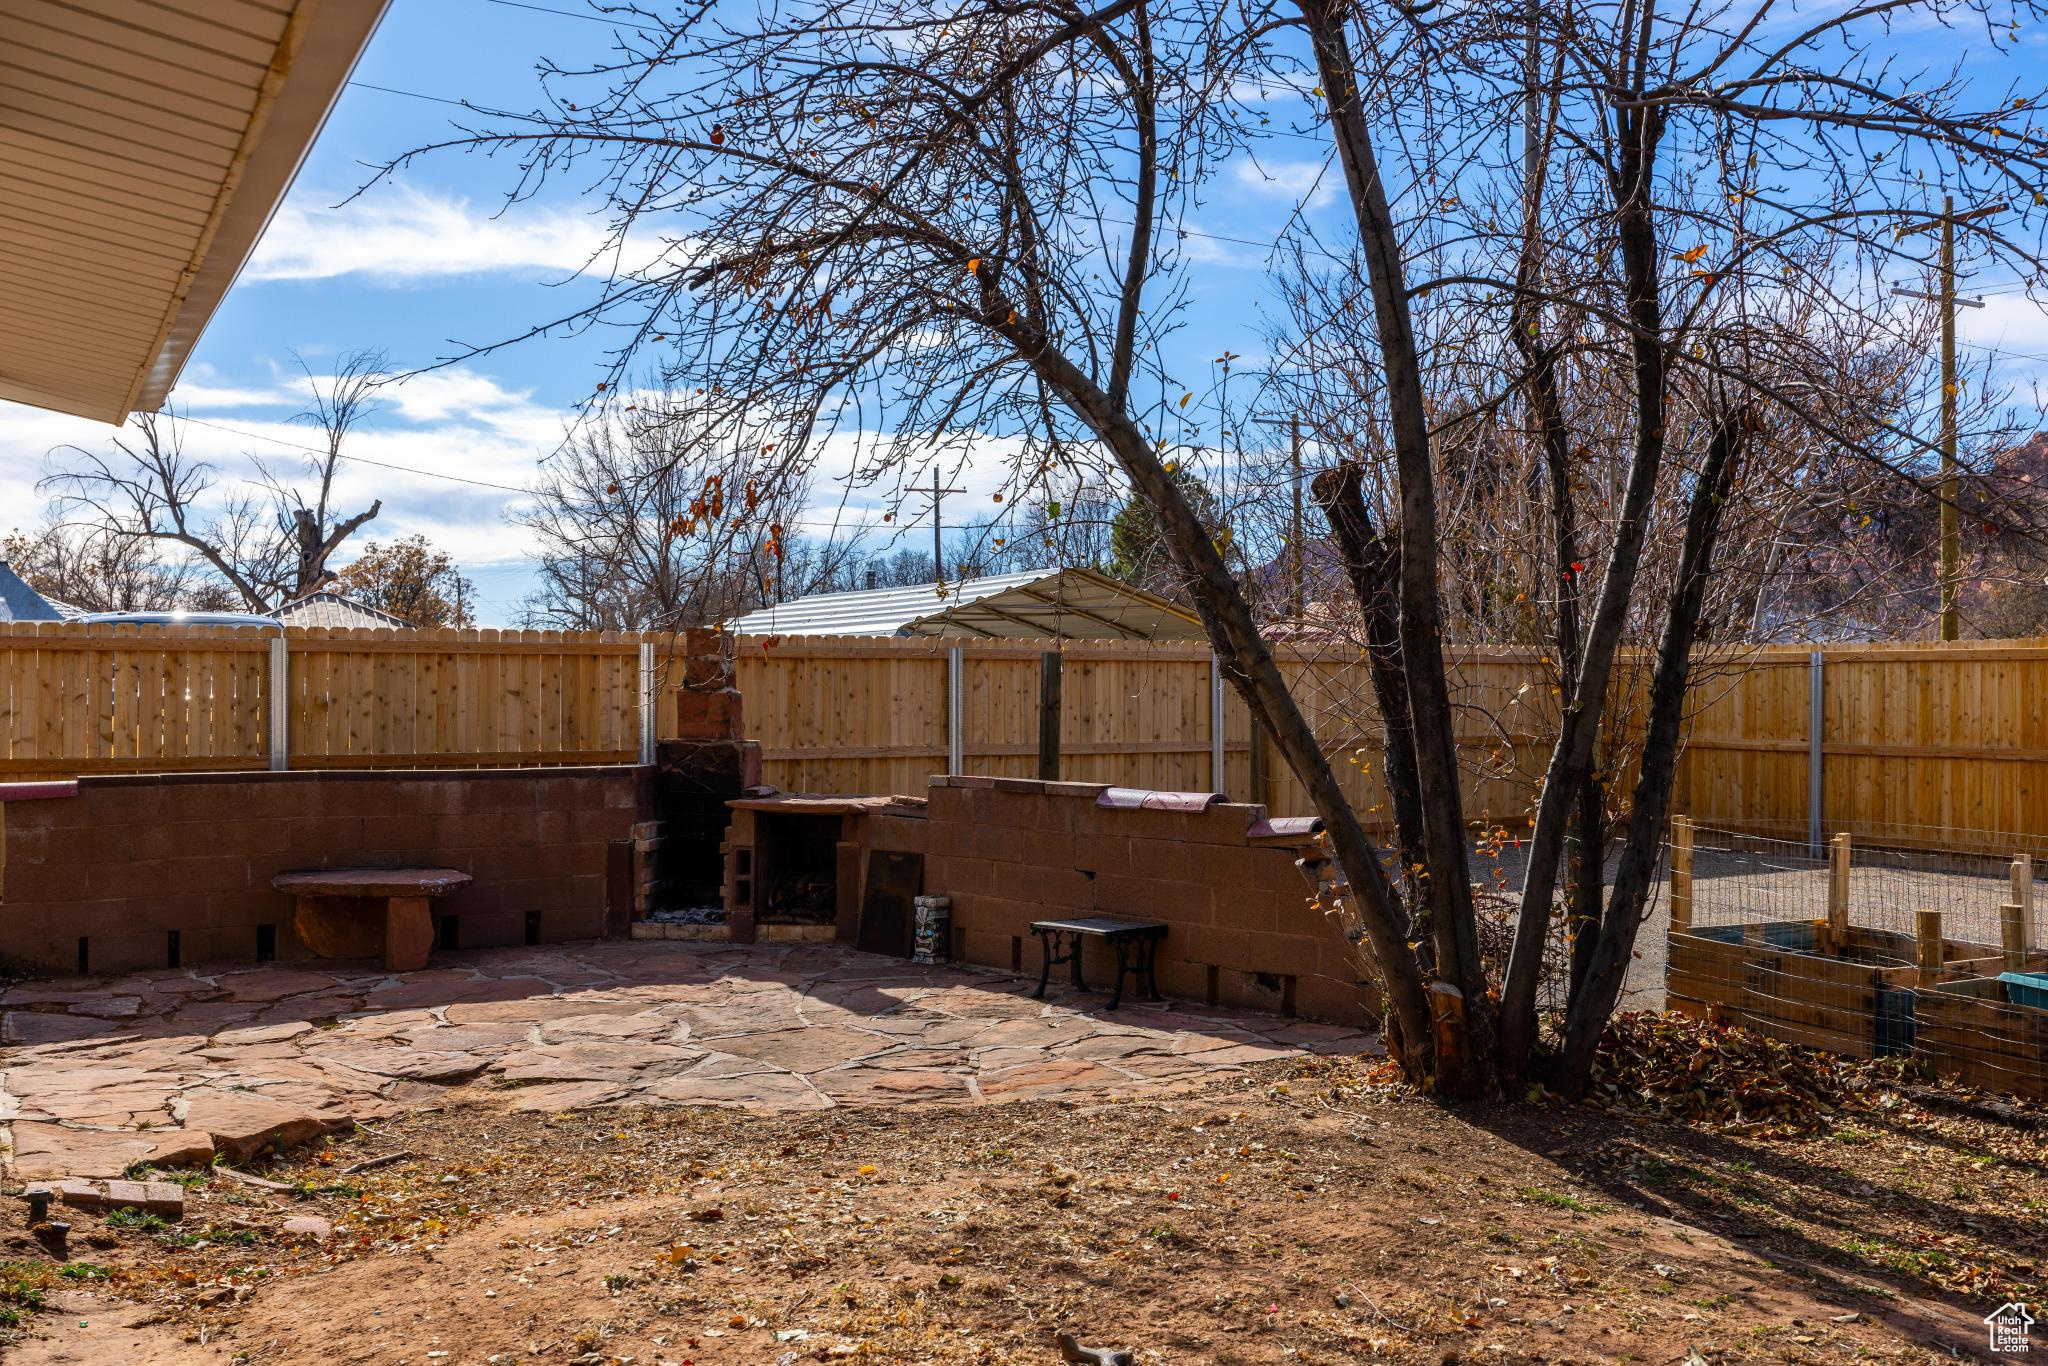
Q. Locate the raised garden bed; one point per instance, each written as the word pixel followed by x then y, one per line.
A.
pixel 1975 1029
pixel 1851 992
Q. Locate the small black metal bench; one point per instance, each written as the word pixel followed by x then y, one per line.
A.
pixel 1135 942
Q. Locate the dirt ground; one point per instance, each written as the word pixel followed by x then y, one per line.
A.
pixel 1306 1212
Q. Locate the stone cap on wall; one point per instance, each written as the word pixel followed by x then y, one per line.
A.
pixel 38 791
pixel 1143 802
pixel 527 773
pixel 813 804
pixel 1148 799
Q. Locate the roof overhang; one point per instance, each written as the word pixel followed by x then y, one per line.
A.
pixel 144 145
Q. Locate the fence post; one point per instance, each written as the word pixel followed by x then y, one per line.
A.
pixel 2012 936
pixel 1050 665
pixel 1216 783
pixel 1261 765
pixel 1816 723
pixel 2023 897
pixel 1681 875
pixel 955 711
pixel 278 685
pixel 647 726
pixel 1927 946
pixel 1838 893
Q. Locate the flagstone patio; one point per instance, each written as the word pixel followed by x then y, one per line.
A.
pixel 178 1066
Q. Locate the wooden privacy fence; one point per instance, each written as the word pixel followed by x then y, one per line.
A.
pixel 1909 744
pixel 150 699
pixel 875 715
pixel 1936 746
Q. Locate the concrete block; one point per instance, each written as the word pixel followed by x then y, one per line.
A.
pixel 989 950
pixel 213 945
pixel 958 876
pixel 1324 998
pixel 81 1194
pixel 948 839
pixel 164 1199
pixel 1102 853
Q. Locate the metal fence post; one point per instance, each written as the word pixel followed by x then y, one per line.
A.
pixel 278 684
pixel 1216 783
pixel 647 726
pixel 955 711
pixel 1050 666
pixel 1816 788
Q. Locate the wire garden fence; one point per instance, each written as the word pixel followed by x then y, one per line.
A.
pixel 1867 951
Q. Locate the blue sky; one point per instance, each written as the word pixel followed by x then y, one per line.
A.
pixel 416 265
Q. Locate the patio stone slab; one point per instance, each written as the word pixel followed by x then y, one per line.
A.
pixel 48 1151
pixel 246 1059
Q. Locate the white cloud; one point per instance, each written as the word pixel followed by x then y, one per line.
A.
pixel 1310 183
pixel 399 233
pixel 2007 322
pixel 448 454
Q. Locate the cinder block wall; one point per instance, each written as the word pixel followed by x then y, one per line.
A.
pixel 1010 851
pixel 129 860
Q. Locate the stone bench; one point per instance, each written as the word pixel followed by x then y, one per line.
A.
pixel 360 912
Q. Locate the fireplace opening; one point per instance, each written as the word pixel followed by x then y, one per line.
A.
pixel 796 869
pixel 683 873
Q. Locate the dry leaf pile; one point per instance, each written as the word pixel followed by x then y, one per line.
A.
pixel 1693 1071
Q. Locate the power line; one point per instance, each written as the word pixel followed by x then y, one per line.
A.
pixel 359 459
pixel 833 523
pixel 410 94
pixel 1999 351
pixel 575 14
pixel 1183 232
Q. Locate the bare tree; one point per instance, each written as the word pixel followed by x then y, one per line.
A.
pixel 649 521
pixel 965 220
pixel 268 544
pixel 95 571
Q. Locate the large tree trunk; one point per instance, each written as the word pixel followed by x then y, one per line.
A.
pixel 1594 1002
pixel 1588 891
pixel 1448 885
pixel 1369 563
pixel 1248 663
pixel 1571 759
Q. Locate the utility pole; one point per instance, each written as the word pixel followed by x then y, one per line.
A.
pixel 937 495
pixel 1951 562
pixel 1295 605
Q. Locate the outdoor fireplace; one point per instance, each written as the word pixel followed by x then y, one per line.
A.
pixel 816 868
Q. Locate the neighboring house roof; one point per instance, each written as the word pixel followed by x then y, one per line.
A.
pixel 178 616
pixel 332 609
pixel 19 602
pixel 150 141
pixel 1062 604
